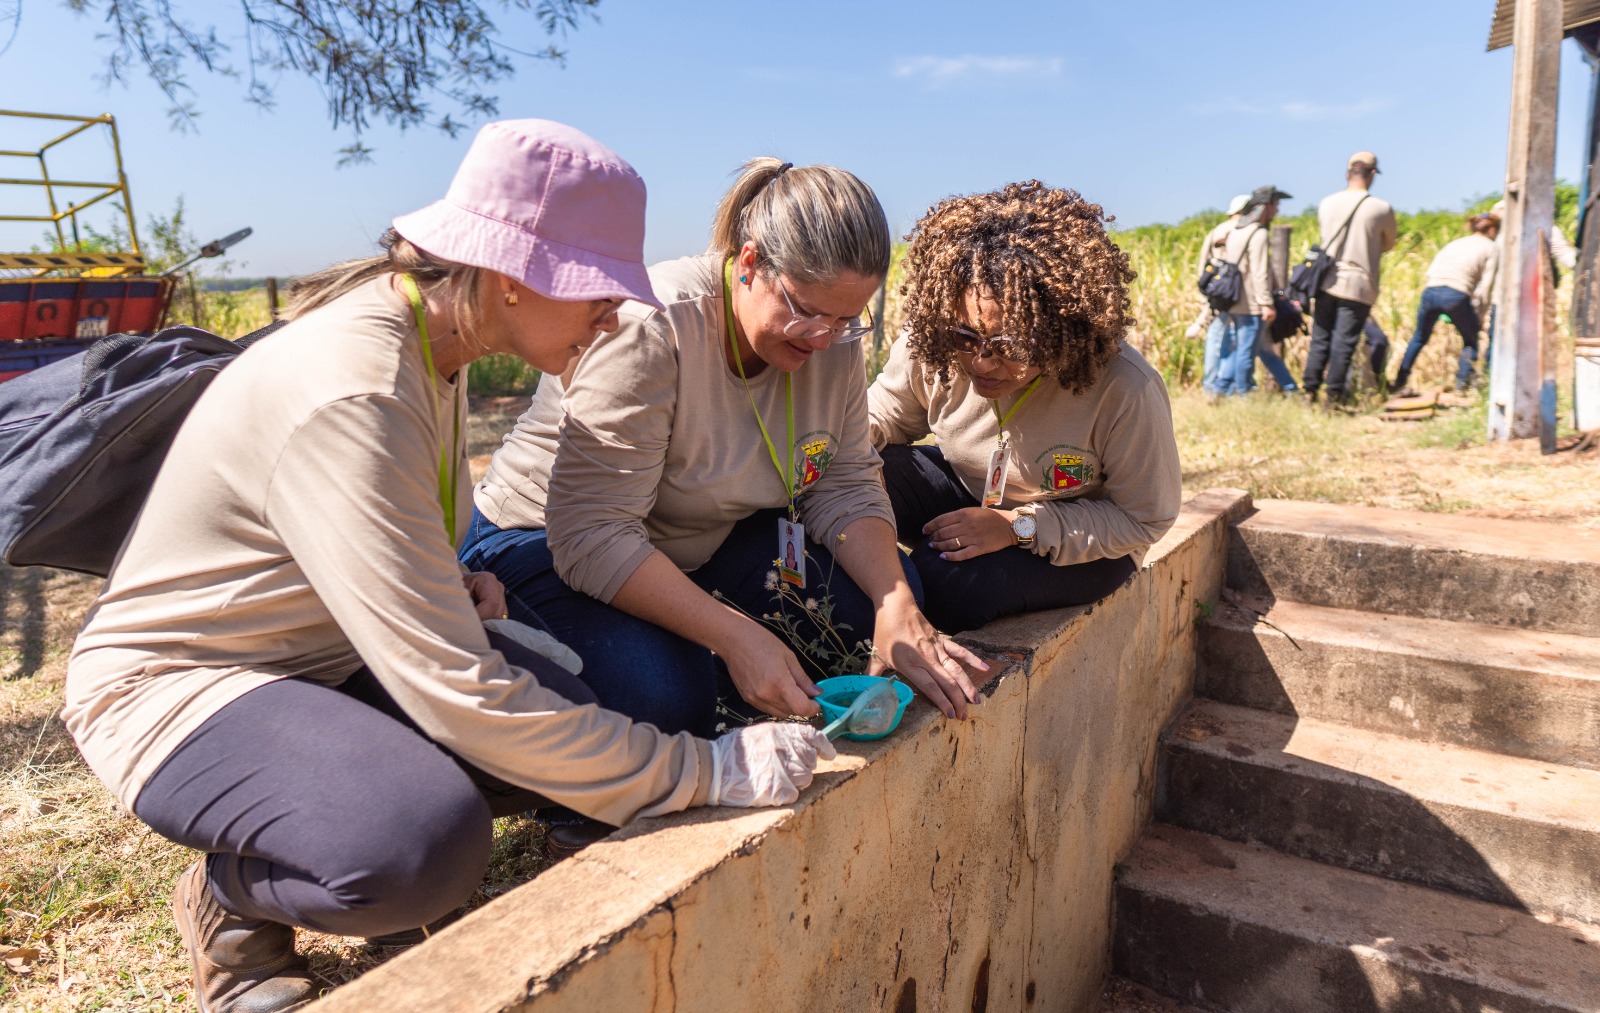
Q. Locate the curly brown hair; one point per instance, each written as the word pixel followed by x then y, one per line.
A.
pixel 1043 255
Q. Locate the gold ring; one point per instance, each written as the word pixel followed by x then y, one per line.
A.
pixel 958 543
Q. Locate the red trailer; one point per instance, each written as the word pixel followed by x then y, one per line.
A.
pixel 55 303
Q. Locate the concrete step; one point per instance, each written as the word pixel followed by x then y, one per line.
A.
pixel 1519 692
pixel 1245 929
pixel 1498 828
pixel 1438 566
pixel 1123 996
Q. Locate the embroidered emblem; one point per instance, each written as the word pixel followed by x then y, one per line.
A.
pixel 1065 469
pixel 817 459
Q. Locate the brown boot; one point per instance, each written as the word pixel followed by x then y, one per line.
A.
pixel 240 965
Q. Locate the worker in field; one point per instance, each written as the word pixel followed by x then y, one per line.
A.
pixel 1459 286
pixel 1357 229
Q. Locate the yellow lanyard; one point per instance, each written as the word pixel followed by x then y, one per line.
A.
pixel 788 391
pixel 1003 419
pixel 447 458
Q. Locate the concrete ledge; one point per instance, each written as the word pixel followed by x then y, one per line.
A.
pixel 1517 832
pixel 951 866
pixel 1248 930
pixel 1520 574
pixel 1520 692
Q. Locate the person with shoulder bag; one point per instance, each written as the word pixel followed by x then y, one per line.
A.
pixel 1357 230
pixel 1236 278
pixel 287 668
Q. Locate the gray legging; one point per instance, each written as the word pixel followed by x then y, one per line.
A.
pixel 328 808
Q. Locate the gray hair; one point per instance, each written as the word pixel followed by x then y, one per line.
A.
pixel 812 223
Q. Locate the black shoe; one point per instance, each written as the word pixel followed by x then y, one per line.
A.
pixel 567 839
pixel 411 937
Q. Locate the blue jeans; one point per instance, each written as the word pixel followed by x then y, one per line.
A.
pixel 1267 352
pixel 1230 363
pixel 1437 301
pixel 639 669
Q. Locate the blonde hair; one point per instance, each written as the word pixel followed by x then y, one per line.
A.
pixel 458 284
pixel 812 223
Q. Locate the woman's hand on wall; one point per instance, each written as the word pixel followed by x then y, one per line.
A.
pixel 905 641
pixel 969 532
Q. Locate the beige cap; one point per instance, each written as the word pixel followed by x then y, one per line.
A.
pixel 1362 158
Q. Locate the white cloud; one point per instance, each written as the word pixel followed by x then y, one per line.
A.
pixel 1299 111
pixel 943 71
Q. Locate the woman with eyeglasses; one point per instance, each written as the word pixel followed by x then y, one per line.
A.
pixel 1055 466
pixel 696 443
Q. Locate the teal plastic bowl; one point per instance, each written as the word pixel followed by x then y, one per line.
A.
pixel 840 691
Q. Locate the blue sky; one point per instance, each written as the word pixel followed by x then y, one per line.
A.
pixel 1154 109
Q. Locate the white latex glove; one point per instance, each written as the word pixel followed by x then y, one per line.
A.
pixel 765 764
pixel 538 641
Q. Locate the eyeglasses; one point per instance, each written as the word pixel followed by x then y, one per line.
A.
pixel 813 325
pixel 1012 350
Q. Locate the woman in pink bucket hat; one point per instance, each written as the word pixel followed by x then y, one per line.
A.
pixel 288 671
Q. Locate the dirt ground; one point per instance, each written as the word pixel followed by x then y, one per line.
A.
pixel 84 886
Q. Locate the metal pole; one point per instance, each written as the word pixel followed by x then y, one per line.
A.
pixel 1586 279
pixel 1516 372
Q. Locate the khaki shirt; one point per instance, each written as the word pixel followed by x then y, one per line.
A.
pixel 1245 246
pixel 1468 266
pixel 295 531
pixel 659 447
pixel 1372 233
pixel 1101 467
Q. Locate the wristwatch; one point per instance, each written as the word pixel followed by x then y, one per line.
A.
pixel 1024 527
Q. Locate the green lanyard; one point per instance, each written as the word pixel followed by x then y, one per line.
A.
pixel 788 391
pixel 447 458
pixel 1003 419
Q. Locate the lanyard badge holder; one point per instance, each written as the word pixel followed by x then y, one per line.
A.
pixel 994 484
pixel 791 557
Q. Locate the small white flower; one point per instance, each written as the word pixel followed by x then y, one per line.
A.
pixel 722 726
pixel 771 583
pixel 811 604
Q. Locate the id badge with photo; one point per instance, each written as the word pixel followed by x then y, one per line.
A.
pixel 792 552
pixel 994 485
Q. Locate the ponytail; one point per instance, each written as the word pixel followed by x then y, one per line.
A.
pixel 813 223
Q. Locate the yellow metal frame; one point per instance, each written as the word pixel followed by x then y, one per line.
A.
pixel 103 264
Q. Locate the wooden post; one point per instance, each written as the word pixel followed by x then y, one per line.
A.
pixel 1516 374
pixel 1549 343
pixel 1278 248
pixel 272 297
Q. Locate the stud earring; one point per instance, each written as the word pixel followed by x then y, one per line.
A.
pixel 511 298
pixel 744 279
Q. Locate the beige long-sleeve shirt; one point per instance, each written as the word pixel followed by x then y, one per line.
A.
pixel 295 530
pixel 1466 265
pixel 1101 467
pixel 659 446
pixel 1245 247
pixel 1372 233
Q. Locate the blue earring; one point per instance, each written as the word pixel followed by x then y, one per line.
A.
pixel 744 279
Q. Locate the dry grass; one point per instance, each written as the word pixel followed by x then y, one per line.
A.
pixel 83 895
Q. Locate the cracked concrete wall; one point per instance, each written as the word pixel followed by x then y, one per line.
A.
pixel 952 866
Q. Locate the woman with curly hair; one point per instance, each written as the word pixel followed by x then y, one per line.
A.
pixel 1055 466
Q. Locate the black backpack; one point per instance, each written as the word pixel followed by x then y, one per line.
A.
pixel 1221 282
pixel 82 439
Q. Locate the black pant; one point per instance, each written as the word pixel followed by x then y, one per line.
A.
pixel 329 809
pixel 965 595
pixel 1335 328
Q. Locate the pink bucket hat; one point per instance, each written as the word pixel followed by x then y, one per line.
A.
pixel 546 205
